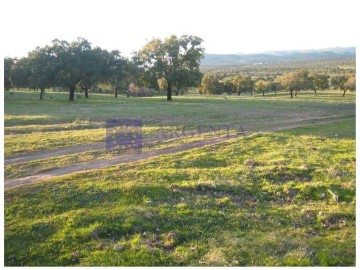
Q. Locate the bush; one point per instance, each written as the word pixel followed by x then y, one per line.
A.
pixel 136 91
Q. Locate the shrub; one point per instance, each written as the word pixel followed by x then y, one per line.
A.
pixel 136 91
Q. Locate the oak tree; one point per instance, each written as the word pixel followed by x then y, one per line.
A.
pixel 261 86
pixel 350 84
pixel 210 85
pixel 8 63
pixel 177 60
pixel 318 81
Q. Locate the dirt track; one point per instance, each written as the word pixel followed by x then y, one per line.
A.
pixel 18 158
pixel 14 183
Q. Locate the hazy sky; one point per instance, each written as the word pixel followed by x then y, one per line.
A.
pixel 226 26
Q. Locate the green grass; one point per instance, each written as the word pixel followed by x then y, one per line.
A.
pixel 34 125
pixel 23 107
pixel 227 204
pixel 21 143
pixel 22 169
pixel 250 201
pixel 338 130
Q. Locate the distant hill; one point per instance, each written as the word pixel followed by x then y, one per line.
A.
pixel 277 56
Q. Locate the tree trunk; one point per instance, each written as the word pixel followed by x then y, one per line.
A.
pixel 344 93
pixel 291 93
pixel 263 94
pixel 86 90
pixel 251 92
pixel 169 90
pixel 238 93
pixel 42 93
pixel 295 93
pixel 116 92
pixel 315 93
pixel 72 93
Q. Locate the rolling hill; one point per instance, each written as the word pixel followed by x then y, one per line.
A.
pixel 277 56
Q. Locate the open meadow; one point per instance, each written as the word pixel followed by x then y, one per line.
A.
pixel 283 194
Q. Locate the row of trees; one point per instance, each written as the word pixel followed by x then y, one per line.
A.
pixel 171 64
pixel 291 82
pixel 69 65
pixel 331 66
pixel 175 61
pixel 238 84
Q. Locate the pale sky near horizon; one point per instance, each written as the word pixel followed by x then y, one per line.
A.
pixel 226 26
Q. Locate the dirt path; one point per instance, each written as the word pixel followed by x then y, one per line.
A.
pixel 14 183
pixel 54 153
pixel 30 156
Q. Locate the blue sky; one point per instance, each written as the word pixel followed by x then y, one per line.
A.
pixel 226 26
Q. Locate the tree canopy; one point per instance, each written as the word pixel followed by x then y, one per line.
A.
pixel 262 86
pixel 171 65
pixel 8 63
pixel 210 85
pixel 294 81
pixel 64 64
pixel 318 81
pixel 174 59
pixel 350 84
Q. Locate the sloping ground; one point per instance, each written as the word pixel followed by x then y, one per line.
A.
pixel 257 200
pixel 259 126
pixel 103 163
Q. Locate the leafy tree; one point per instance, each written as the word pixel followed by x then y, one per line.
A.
pixel 338 81
pixel 20 73
pixel 184 79
pixel 95 66
pixel 177 60
pixel 228 87
pixel 70 65
pixel 37 70
pixel 236 82
pixel 8 63
pixel 350 84
pixel 249 84
pixel 145 77
pixel 303 80
pixel 318 81
pixel 43 69
pixel 242 83
pixel 261 86
pixel 118 71
pixel 274 86
pixel 73 59
pixel 288 82
pixel 210 85
pixel 294 81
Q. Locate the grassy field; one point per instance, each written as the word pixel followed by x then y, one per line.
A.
pixel 263 199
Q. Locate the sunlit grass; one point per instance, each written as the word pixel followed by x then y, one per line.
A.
pixel 33 125
pixel 259 200
pixel 254 200
pixel 49 140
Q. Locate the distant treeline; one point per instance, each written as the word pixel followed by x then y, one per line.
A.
pixel 171 65
pixel 79 65
pixel 291 81
pixel 336 66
